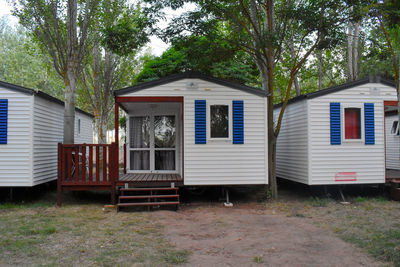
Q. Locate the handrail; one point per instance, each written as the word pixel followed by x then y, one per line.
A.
pixel 87 164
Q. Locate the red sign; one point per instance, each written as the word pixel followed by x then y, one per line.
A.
pixel 345 176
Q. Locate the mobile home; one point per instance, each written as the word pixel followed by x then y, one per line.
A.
pixel 205 130
pixel 31 125
pixel 336 135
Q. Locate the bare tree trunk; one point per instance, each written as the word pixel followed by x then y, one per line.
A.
pixel 70 81
pixel 270 102
pixel 350 51
pixel 293 55
pixel 320 74
pixel 101 126
pixel 356 39
pixel 69 107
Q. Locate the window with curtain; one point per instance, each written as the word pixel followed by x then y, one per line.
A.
pixel 139 143
pixel 352 123
pixel 164 142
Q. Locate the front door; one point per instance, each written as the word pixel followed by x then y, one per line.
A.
pixel 153 143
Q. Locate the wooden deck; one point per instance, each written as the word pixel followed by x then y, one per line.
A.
pixel 150 178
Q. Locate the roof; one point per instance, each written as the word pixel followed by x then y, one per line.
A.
pixel 191 75
pixel 41 94
pixel 338 88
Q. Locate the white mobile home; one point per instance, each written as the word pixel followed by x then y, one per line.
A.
pixel 195 129
pixel 336 135
pixel 31 125
pixel 392 142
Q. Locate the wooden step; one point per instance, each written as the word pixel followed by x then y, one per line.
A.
pixel 148 196
pixel 147 204
pixel 148 189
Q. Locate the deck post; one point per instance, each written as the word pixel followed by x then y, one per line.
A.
pixel 116 152
pixel 59 169
pixel 114 170
pixel 125 158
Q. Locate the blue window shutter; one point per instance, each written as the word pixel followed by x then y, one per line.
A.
pixel 238 121
pixel 3 120
pixel 336 138
pixel 200 121
pixel 369 122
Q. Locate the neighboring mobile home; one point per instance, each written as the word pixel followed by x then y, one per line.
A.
pixel 336 135
pixel 31 126
pixel 392 142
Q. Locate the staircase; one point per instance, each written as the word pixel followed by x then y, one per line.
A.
pixel 148 197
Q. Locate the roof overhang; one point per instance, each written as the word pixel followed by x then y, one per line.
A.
pixel 338 88
pixel 29 91
pixel 190 75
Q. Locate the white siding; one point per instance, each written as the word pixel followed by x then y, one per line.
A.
pixel 86 133
pixel 367 161
pixel 15 156
pixel 392 144
pixel 292 143
pixel 47 133
pixel 220 162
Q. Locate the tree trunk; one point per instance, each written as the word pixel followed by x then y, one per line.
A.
pixel 320 74
pixel 101 128
pixel 356 39
pixel 69 107
pixel 70 81
pixel 270 101
pixel 296 80
pixel 350 52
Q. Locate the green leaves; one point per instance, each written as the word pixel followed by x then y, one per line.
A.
pixel 127 33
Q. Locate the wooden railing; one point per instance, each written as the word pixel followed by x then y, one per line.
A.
pixel 87 164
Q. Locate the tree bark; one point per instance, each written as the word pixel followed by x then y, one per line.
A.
pixel 69 107
pixel 70 81
pixel 356 39
pixel 101 125
pixel 320 74
pixel 350 51
pixel 270 102
pixel 296 80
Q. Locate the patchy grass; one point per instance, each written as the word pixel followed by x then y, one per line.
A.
pixel 258 259
pixel 319 202
pixel 176 257
pixel 372 224
pixel 40 234
pixel 5 206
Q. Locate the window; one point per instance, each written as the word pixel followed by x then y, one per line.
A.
pixel 164 142
pixel 352 123
pixel 153 143
pixel 395 128
pixel 219 121
pixel 139 143
pixel 79 126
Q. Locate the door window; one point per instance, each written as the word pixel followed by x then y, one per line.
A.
pixel 152 142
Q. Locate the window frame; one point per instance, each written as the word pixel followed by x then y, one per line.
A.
pixel 396 132
pixel 230 119
pixel 343 123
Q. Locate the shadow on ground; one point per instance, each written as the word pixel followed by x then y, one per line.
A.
pixel 288 190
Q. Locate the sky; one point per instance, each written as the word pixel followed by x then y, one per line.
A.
pixel 156 45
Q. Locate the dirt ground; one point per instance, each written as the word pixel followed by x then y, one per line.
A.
pixel 301 228
pixel 251 235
